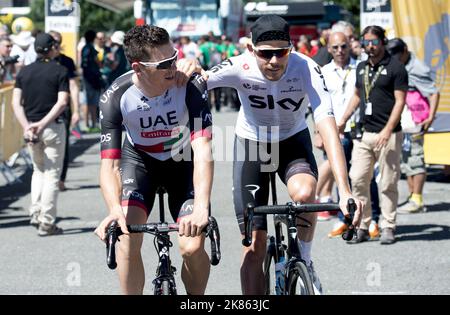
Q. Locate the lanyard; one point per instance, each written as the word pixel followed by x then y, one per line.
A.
pixel 368 86
pixel 344 80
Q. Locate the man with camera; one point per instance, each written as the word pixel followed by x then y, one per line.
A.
pixel 380 90
pixel 7 62
pixel 40 96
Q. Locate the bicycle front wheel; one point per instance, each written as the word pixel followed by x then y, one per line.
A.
pixel 165 287
pixel 299 281
pixel 266 266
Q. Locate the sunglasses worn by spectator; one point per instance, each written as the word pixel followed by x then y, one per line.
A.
pixel 269 53
pixel 336 47
pixel 373 42
pixel 163 64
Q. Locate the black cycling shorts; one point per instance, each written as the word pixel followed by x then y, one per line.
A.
pixel 253 163
pixel 142 174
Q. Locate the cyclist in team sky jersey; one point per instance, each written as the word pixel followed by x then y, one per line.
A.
pixel 163 123
pixel 272 83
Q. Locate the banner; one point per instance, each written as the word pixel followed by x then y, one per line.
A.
pixel 63 16
pixel 425 27
pixel 377 12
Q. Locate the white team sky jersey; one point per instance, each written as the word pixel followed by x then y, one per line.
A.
pixel 268 103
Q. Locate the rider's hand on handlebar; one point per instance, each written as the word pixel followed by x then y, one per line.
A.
pixel 193 224
pixel 359 207
pixel 115 215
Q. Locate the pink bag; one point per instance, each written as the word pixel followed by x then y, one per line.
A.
pixel 418 106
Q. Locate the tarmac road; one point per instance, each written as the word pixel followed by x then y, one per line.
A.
pixel 74 263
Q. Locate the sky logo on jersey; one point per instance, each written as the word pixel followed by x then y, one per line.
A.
pixel 319 72
pixel 223 64
pixel 285 103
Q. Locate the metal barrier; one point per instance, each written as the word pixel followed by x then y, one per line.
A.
pixel 11 135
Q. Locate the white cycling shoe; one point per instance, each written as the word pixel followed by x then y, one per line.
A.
pixel 317 286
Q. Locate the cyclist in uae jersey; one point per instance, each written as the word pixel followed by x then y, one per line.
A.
pixel 272 84
pixel 167 143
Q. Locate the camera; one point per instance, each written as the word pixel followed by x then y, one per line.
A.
pixel 356 130
pixel 11 60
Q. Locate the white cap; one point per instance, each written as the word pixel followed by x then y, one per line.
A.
pixel 23 39
pixel 118 37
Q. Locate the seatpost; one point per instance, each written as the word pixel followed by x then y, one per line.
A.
pixel 273 188
pixel 161 191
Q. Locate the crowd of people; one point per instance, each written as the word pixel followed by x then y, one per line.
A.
pixel 355 87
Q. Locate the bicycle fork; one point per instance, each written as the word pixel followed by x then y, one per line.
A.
pixel 165 271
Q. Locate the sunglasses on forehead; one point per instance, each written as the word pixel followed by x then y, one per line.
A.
pixel 373 42
pixel 269 53
pixel 162 64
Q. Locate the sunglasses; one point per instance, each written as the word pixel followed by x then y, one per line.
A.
pixel 336 47
pixel 269 53
pixel 163 64
pixel 373 42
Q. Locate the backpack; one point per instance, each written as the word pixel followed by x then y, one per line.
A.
pixel 418 106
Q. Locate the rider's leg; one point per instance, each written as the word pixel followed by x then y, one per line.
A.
pixel 302 188
pixel 129 260
pixel 252 275
pixel 195 269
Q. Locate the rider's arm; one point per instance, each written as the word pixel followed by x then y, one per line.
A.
pixel 225 74
pixel 320 100
pixel 110 146
pixel 200 125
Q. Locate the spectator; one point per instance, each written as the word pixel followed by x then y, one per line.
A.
pixel 381 85
pixel 71 115
pixel 116 60
pixel 39 98
pixel 23 46
pixel 357 52
pixel 7 61
pixel 421 88
pixel 92 80
pixel 189 48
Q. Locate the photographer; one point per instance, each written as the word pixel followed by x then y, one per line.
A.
pixel 39 98
pixel 7 62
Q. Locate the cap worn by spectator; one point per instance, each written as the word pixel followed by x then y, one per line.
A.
pixel 43 43
pixel 396 46
pixel 118 37
pixel 23 39
pixel 270 27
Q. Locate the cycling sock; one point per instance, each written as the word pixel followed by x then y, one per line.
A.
pixel 417 198
pixel 305 251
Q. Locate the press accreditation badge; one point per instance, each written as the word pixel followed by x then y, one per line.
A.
pixel 368 108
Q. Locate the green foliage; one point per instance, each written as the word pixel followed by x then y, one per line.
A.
pixel 92 17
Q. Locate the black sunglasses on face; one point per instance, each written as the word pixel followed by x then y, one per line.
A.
pixel 373 42
pixel 269 53
pixel 336 47
pixel 163 64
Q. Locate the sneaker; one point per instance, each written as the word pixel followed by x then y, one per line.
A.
pixel 338 230
pixel 34 221
pixel 361 236
pixel 411 207
pixel 374 231
pixel 49 229
pixel 317 286
pixel 323 216
pixel 61 186
pixel 387 236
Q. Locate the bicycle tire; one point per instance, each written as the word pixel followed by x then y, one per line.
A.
pixel 266 266
pixel 165 287
pixel 300 282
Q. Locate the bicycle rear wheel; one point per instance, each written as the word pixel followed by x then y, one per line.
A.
pixel 300 282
